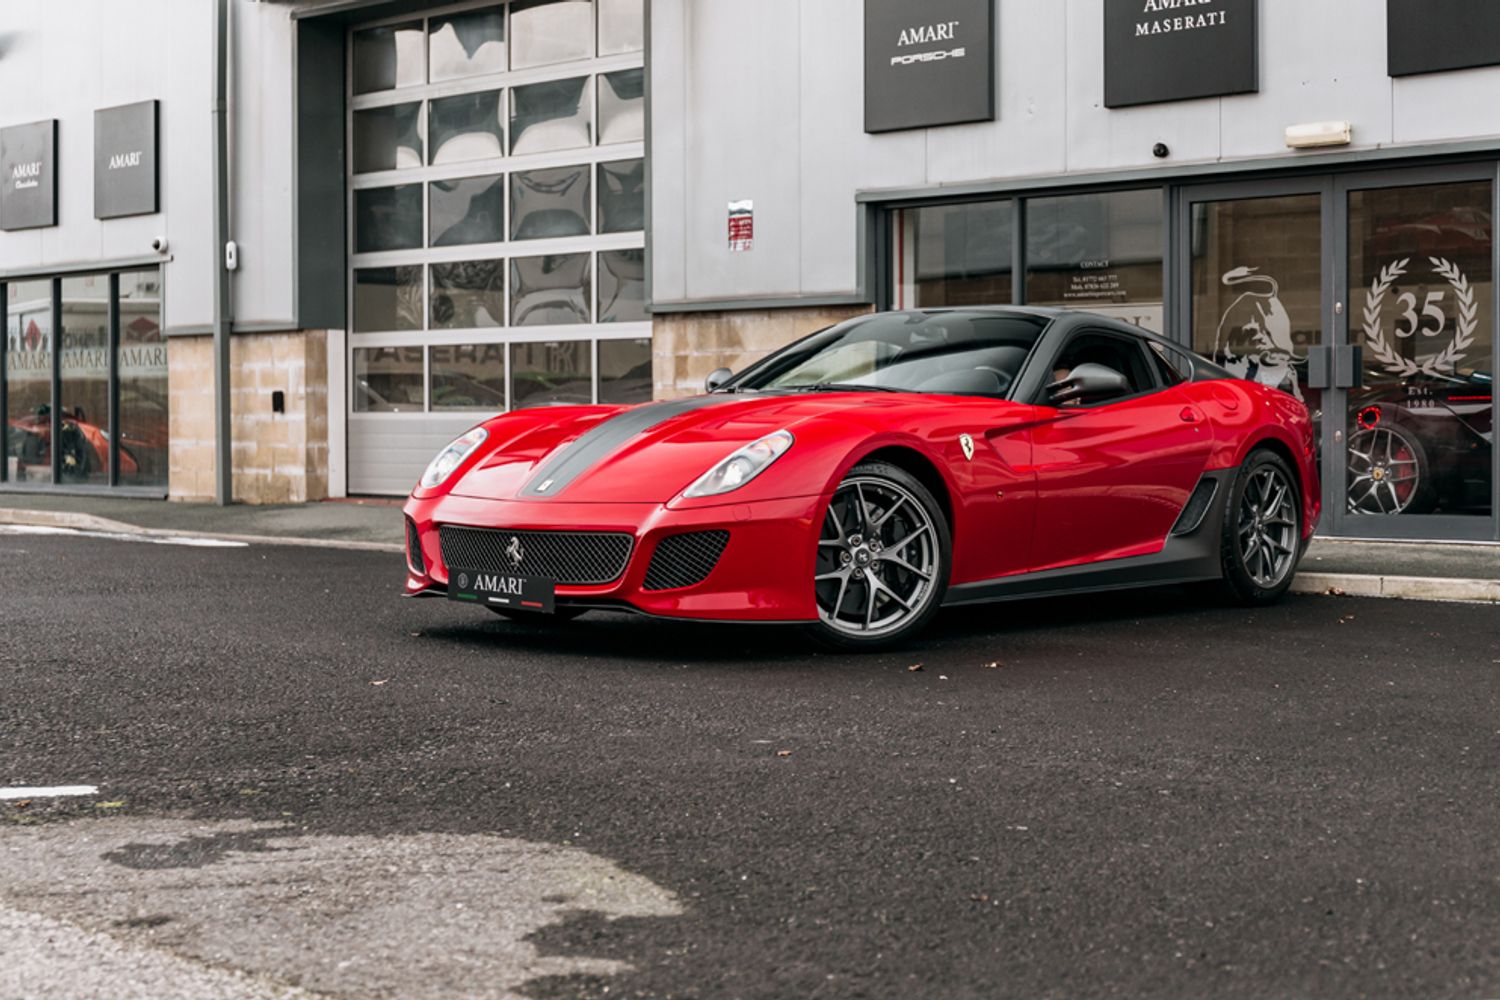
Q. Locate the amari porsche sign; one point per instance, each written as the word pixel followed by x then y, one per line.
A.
pixel 1175 50
pixel 28 173
pixel 929 63
pixel 1427 36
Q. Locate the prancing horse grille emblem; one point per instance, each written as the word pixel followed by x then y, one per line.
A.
pixel 514 552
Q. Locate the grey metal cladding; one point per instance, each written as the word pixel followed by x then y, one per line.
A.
pixel 604 439
pixel 28 173
pixel 1427 36
pixel 1174 50
pixel 930 63
pixel 125 160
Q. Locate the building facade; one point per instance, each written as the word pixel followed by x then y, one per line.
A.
pixel 439 211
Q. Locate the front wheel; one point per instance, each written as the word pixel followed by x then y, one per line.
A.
pixel 883 559
pixel 1262 535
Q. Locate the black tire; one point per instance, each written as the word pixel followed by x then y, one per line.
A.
pixel 883 542
pixel 1378 460
pixel 1258 574
pixel 540 617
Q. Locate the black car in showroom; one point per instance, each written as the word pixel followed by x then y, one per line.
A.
pixel 1423 445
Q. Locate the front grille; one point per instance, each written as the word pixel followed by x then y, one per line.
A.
pixel 576 558
pixel 684 560
pixel 414 549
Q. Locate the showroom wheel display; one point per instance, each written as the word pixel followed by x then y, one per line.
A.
pixel 1389 472
pixel 883 559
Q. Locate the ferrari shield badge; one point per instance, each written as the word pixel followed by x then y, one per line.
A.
pixel 967 444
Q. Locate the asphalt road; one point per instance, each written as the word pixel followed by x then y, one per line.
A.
pixel 309 786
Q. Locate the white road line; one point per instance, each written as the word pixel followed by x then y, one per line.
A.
pixel 204 543
pixel 52 792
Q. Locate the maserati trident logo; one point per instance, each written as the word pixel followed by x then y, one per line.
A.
pixel 514 552
pixel 967 444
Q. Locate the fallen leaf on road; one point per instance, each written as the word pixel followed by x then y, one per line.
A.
pixel 914 668
pixel 980 897
pixel 1335 592
pixel 992 666
pixel 378 683
pixel 109 805
pixel 23 804
pixel 783 753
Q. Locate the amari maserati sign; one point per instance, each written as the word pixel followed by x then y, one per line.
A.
pixel 930 63
pixel 28 171
pixel 125 160
pixel 1175 50
pixel 1426 36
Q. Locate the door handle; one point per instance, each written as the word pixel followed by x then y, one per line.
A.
pixel 1339 367
pixel 1190 415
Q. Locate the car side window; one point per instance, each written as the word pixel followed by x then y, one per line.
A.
pixel 1174 366
pixel 1118 353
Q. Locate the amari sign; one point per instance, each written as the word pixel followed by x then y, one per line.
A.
pixel 125 176
pixel 1426 36
pixel 930 63
pixel 1175 50
pixel 28 171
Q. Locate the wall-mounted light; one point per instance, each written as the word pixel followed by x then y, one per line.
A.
pixel 1315 134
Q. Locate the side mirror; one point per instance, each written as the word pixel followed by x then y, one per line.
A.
pixel 716 378
pixel 1088 383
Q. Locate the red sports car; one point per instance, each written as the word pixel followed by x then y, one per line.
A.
pixel 870 473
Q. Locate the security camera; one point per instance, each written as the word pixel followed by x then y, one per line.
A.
pixel 159 244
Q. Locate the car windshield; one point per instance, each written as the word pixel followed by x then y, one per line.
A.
pixel 966 353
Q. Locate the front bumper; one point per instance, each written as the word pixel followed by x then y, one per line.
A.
pixel 765 573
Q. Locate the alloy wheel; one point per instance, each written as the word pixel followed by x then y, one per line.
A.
pixel 878 558
pixel 1267 526
pixel 1384 472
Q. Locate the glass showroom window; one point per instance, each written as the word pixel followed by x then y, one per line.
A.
pixel 105 422
pixel 497 209
pixel 1101 252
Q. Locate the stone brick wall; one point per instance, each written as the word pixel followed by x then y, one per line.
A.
pixel 278 457
pixel 687 346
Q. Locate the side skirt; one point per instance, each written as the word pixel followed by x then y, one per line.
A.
pixel 1190 555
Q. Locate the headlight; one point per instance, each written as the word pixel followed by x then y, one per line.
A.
pixel 741 467
pixel 441 467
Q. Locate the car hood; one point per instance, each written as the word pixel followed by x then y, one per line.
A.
pixel 648 453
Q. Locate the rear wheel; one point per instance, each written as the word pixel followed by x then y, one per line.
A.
pixel 883 559
pixel 1262 535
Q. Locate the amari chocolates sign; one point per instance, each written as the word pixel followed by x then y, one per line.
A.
pixel 28 171
pixel 1176 50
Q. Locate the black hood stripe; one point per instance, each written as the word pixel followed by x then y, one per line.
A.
pixel 604 439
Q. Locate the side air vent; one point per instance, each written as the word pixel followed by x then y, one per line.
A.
pixel 414 549
pixel 685 560
pixel 1191 518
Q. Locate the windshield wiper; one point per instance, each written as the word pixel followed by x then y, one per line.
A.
pixel 846 387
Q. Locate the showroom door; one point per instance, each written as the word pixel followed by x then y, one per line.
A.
pixel 1256 287
pixel 1414 451
pixel 1369 296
